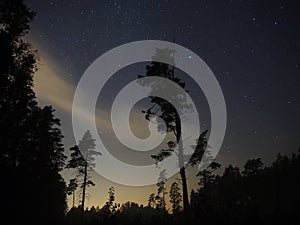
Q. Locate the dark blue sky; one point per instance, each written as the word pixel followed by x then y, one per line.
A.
pixel 251 46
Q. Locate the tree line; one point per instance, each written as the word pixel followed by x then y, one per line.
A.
pixel 258 194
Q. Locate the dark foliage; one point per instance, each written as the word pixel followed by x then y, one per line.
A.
pixel 258 195
pixel 266 195
pixel 31 153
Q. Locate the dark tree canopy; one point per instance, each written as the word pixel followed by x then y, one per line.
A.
pixel 32 154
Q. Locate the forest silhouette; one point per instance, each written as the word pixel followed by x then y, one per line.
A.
pixel 32 157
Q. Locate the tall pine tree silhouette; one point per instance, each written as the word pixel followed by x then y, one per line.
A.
pixel 164 110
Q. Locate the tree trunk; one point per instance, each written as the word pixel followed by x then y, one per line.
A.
pixel 185 196
pixel 84 186
pixel 73 199
pixel 163 197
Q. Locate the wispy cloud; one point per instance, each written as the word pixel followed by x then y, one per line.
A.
pixel 52 89
pixel 49 87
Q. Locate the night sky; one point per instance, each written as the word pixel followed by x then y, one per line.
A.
pixel 251 46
